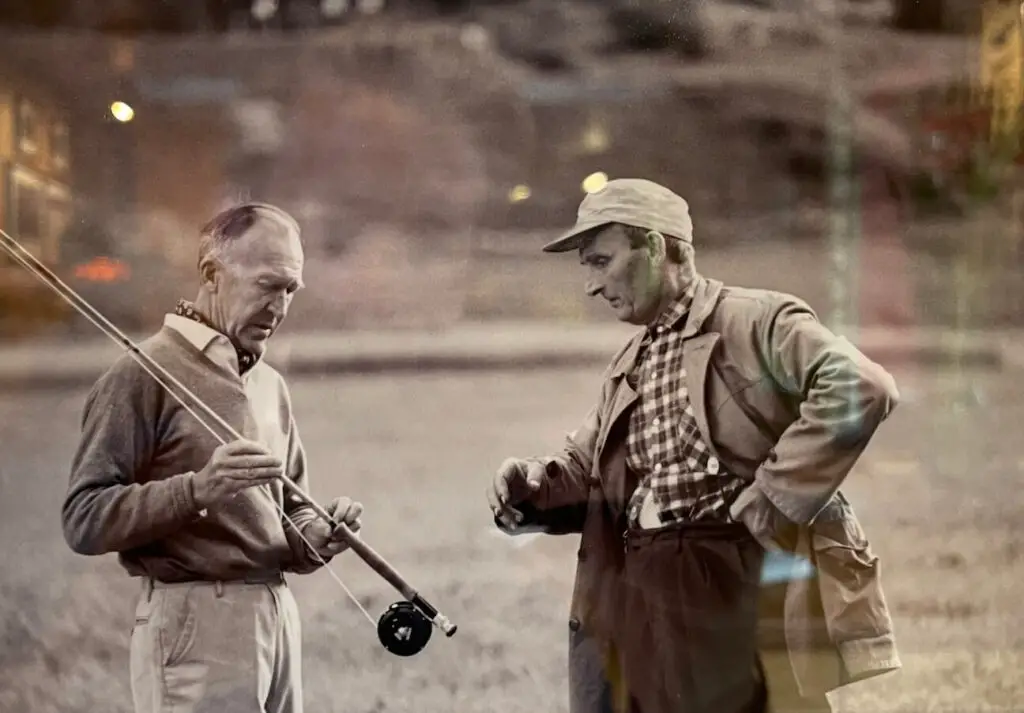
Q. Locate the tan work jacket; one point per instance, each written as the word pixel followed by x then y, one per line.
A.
pixel 782 402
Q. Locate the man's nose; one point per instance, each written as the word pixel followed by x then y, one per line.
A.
pixel 278 306
pixel 593 287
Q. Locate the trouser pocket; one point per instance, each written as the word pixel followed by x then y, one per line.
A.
pixel 177 628
pixel 144 654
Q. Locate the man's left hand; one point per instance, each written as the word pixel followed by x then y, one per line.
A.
pixel 329 541
pixel 760 516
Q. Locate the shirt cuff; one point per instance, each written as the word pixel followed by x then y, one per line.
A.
pixel 190 496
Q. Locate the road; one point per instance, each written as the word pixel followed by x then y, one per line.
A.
pixel 937 493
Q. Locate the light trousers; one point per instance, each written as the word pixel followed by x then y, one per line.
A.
pixel 216 647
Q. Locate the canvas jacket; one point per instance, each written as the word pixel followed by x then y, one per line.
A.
pixel 785 404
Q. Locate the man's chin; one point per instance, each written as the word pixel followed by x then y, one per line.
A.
pixel 622 312
pixel 256 344
pixel 258 335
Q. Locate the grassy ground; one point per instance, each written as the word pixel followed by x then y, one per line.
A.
pixel 938 494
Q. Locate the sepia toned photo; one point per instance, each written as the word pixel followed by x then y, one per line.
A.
pixel 511 356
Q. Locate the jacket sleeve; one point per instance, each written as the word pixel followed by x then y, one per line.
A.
pixel 843 398
pixel 108 507
pixel 568 472
pixel 560 506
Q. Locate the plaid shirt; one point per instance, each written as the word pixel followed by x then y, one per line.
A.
pixel 664 443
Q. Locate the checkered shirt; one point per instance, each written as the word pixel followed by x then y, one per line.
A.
pixel 665 447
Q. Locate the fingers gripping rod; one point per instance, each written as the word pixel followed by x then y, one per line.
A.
pixel 400 619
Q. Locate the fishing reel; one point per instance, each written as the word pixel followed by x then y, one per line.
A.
pixel 403 630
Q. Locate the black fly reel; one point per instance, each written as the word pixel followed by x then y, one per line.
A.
pixel 403 629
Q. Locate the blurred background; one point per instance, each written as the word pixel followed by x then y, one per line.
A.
pixel 862 154
pixel 435 144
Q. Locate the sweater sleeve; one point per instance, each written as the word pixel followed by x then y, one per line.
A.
pixel 109 506
pixel 298 511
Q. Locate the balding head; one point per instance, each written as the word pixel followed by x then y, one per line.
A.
pixel 250 265
pixel 232 224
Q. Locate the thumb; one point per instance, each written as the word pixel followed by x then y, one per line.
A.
pixel 535 475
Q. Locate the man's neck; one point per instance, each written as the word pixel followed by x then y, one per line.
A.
pixel 195 310
pixel 203 304
pixel 676 286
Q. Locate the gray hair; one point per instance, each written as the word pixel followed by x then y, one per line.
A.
pixel 677 251
pixel 232 223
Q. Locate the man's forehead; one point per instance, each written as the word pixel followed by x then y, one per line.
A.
pixel 605 239
pixel 268 239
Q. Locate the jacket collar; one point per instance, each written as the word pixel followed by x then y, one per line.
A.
pixel 706 292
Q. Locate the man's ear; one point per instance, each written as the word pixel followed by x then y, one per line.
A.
pixel 656 246
pixel 208 274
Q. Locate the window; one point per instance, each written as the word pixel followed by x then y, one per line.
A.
pixel 60 147
pixel 39 213
pixel 29 128
pixel 29 210
pixel 35 205
pixel 6 128
pixel 58 218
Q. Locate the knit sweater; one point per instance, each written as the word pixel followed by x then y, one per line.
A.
pixel 130 487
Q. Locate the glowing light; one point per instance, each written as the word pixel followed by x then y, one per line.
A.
pixel 371 7
pixel 596 139
pixel 519 193
pixel 103 269
pixel 594 182
pixel 122 112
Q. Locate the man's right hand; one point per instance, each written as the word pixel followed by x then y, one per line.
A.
pixel 516 480
pixel 234 467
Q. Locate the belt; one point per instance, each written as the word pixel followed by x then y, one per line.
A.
pixel 700 529
pixel 255 578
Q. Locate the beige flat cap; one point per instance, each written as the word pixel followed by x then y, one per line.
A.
pixel 631 201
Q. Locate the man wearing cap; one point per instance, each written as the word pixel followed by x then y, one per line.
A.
pixel 724 429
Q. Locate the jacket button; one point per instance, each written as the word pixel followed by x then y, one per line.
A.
pixel 574 624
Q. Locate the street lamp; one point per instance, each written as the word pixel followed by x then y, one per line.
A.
pixel 122 112
pixel 594 182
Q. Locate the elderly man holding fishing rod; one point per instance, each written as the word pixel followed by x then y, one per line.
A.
pixel 206 523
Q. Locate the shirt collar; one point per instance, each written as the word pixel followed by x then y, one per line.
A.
pixel 197 329
pixel 675 315
pixel 198 335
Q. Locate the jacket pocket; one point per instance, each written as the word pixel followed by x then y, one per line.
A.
pixel 851 592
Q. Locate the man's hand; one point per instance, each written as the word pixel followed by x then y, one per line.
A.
pixel 761 517
pixel 328 541
pixel 516 481
pixel 232 468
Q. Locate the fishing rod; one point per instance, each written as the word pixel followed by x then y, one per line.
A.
pixel 405 627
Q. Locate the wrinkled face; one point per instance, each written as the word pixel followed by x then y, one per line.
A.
pixel 630 279
pixel 253 283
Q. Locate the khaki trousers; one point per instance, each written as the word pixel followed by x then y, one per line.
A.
pixel 216 647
